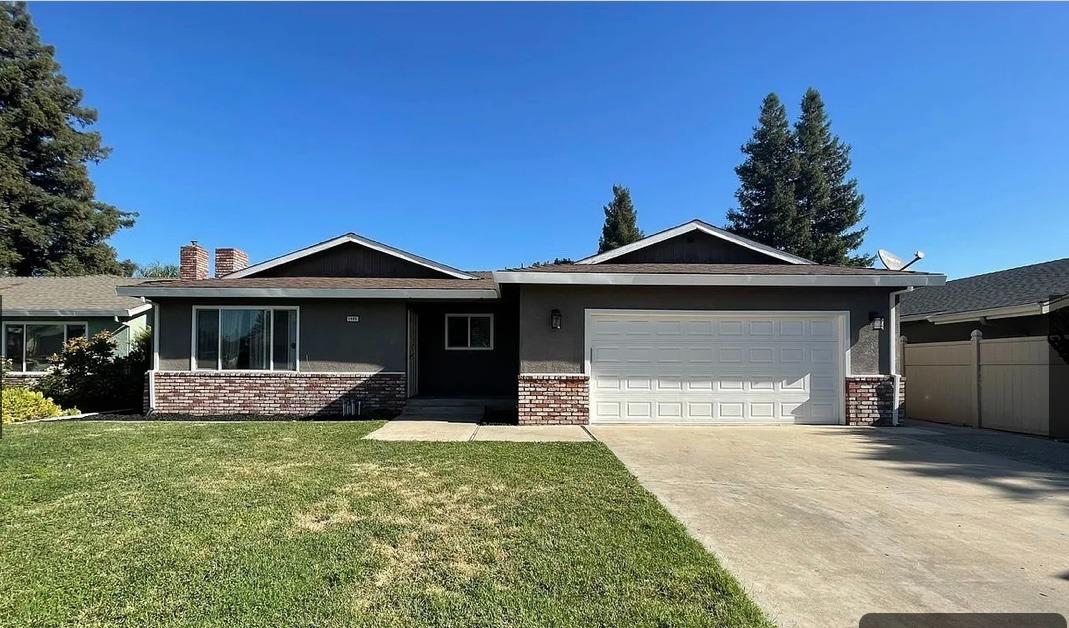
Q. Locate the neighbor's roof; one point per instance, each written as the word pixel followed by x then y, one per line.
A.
pixel 89 295
pixel 715 269
pixel 1036 285
pixel 480 286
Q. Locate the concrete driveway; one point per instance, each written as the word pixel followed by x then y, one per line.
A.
pixel 823 525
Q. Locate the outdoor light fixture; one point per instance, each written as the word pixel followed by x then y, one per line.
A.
pixel 554 319
pixel 877 321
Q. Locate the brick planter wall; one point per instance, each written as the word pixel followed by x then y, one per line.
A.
pixel 868 399
pixel 553 400
pixel 19 380
pixel 203 393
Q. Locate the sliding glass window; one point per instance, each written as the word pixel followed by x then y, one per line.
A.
pixel 30 345
pixel 245 339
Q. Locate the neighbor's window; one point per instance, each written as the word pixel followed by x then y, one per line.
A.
pixel 246 339
pixel 469 331
pixel 29 345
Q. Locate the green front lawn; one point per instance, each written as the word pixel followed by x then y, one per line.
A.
pixel 305 524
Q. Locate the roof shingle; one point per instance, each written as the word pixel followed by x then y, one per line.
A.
pixel 84 294
pixel 1015 286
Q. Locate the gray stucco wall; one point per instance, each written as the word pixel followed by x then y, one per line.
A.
pixel 545 350
pixel 327 342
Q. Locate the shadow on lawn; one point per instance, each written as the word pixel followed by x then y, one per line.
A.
pixel 1020 467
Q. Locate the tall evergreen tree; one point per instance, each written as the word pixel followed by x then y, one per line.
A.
pixel 621 221
pixel 826 198
pixel 767 210
pixel 50 220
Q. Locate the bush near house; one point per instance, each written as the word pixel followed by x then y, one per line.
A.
pixel 23 404
pixel 89 375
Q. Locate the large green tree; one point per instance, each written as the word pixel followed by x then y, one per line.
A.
pixel 50 219
pixel 767 211
pixel 826 199
pixel 621 221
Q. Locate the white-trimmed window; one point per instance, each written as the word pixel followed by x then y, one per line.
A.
pixel 245 338
pixel 29 345
pixel 469 332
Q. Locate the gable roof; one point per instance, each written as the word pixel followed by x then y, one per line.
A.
pixel 1021 291
pixel 89 295
pixel 349 238
pixel 695 225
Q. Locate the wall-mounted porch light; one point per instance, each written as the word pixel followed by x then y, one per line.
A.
pixel 877 320
pixel 554 319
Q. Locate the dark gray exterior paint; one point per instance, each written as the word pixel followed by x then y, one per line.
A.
pixel 351 260
pixel 327 342
pixel 476 373
pixel 545 350
pixel 695 247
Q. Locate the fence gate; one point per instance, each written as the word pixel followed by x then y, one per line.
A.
pixel 1002 384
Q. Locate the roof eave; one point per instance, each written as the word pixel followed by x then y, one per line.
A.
pixel 1009 311
pixel 709 279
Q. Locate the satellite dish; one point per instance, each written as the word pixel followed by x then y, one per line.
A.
pixel 894 262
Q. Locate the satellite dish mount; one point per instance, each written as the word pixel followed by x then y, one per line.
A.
pixel 894 262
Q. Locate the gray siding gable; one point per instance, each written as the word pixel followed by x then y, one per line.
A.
pixel 351 260
pixel 695 247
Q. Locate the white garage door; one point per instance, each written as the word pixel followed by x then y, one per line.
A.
pixel 715 367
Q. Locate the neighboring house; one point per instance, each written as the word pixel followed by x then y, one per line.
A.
pixel 689 325
pixel 41 313
pixel 990 350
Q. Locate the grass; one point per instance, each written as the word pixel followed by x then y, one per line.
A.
pixel 305 524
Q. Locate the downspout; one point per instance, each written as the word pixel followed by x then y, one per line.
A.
pixel 896 402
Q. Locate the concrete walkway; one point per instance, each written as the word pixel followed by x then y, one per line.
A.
pixel 462 431
pixel 823 525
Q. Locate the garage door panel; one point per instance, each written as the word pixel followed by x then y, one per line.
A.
pixel 715 368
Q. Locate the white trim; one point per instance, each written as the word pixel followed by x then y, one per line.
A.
pixel 1008 311
pixel 139 309
pixel 156 339
pixel 346 239
pixel 16 323
pixel 88 313
pixel 469 316
pixel 696 225
pixel 553 375
pixel 151 391
pixel 219 340
pixel 692 279
pixel 209 373
pixel 892 324
pixel 842 318
pixel 318 293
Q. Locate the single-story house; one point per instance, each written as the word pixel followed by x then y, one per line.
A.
pixel 690 325
pixel 992 350
pixel 39 314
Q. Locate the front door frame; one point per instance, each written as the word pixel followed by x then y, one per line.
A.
pixel 412 354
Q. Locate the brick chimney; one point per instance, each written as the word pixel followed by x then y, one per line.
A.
pixel 230 260
pixel 193 261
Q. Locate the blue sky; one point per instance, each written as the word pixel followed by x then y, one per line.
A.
pixel 489 135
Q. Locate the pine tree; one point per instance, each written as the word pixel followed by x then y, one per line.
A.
pixel 621 221
pixel 826 199
pixel 50 220
pixel 767 210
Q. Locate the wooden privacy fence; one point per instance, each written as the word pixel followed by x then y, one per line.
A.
pixel 1002 384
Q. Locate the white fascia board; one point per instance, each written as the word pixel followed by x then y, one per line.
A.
pixel 49 313
pixel 695 225
pixel 317 293
pixel 1010 311
pixel 680 279
pixel 345 239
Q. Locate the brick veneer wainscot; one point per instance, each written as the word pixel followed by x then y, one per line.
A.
pixel 204 393
pixel 22 380
pixel 868 399
pixel 553 400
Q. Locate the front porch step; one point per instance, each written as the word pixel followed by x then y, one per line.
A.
pixel 451 408
pixel 443 402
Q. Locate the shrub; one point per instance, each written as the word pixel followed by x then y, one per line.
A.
pixel 23 404
pixel 88 374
